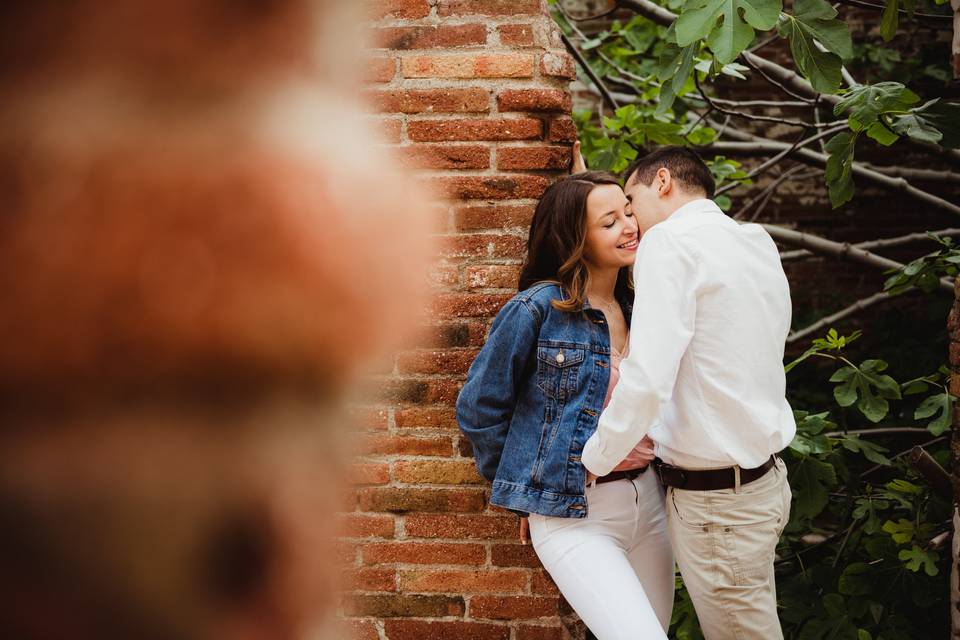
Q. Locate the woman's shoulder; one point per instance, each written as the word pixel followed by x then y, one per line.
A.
pixel 541 293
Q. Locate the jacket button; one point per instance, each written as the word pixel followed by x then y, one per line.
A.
pixel 560 358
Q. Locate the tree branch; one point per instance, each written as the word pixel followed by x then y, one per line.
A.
pixel 824 323
pixel 903 12
pixel 879 244
pixel 602 88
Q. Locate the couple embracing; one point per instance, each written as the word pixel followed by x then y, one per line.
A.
pixel 629 402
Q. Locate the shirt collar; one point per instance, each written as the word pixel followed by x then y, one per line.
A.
pixel 700 205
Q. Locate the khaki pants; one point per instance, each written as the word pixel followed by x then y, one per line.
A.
pixel 724 543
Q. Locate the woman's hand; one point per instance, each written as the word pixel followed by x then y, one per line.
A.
pixel 641 456
pixel 577 165
pixel 524 531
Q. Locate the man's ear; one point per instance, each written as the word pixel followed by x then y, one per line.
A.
pixel 663 182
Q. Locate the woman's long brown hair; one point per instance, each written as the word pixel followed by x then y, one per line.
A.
pixel 558 236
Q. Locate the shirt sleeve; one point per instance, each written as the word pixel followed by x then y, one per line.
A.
pixel 486 403
pixel 664 312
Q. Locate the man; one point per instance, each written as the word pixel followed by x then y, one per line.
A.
pixel 705 380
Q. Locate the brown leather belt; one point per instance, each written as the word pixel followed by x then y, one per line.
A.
pixel 709 479
pixel 620 475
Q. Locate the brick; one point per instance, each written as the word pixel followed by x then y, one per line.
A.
pixel 524 158
pixel 542 584
pixel 437 472
pixel 514 555
pixel 441 362
pixel 534 100
pixel 391 444
pixel 444 156
pixel 462 527
pixel 403 629
pixel 493 277
pixel 403 606
pixel 451 334
pixel 369 579
pixel 346 552
pixel 954 352
pixel 469 304
pixel 405 9
pixel 484 245
pixel 464 129
pixel 393 500
pixel 562 129
pixel 501 216
pixel 488 7
pixel 430 100
pixel 444 275
pixel 424 553
pixel 455 581
pixel 516 35
pixel 501 65
pixel 512 607
pixel 502 187
pixel 397 391
pixel 955 384
pixel 443 391
pixel 379 69
pixel 430 418
pixel 531 632
pixel 369 418
pixel 429 37
pixel 355 525
pixel 358 630
pixel 558 64
pixel 370 473
pixel 389 130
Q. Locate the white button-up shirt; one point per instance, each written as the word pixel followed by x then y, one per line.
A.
pixel 704 376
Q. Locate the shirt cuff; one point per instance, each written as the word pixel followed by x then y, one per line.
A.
pixel 593 459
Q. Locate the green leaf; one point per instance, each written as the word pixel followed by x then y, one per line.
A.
pixel 917 127
pixel 882 134
pixel 815 21
pixel 915 558
pixel 941 403
pixel 839 170
pixel 901 531
pixel 890 20
pixel 870 451
pixel 866 102
pixel 728 25
pixel 855 581
pixel 812 479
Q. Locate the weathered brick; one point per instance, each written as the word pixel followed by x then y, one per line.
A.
pixel 558 64
pixel 444 100
pixel 516 35
pixel 501 65
pixel 443 275
pixel 462 527
pixel 501 187
pixel 370 473
pixel 535 632
pixel 562 129
pixel 426 417
pixel 356 525
pixel 397 391
pixel 380 69
pixel 389 130
pixel 513 555
pixel 369 418
pixel 475 129
pixel 383 444
pixel 429 37
pixel 405 9
pixel 542 584
pixel 369 579
pixel 455 581
pixel 501 216
pixel 403 606
pixel 487 245
pixel 469 304
pixel 424 553
pixel 445 156
pixel 437 471
pixel 492 277
pixel 442 362
pixel 524 158
pixel 488 7
pixel 955 352
pixel 403 629
pixel 358 630
pixel 512 607
pixel 534 100
pixel 405 500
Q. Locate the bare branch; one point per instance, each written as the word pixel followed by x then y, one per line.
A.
pixel 922 175
pixel 878 244
pixel 769 189
pixel 755 117
pixel 602 88
pixel 826 322
pixel 903 12
pixel 879 431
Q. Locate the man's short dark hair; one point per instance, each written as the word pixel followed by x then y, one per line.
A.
pixel 685 167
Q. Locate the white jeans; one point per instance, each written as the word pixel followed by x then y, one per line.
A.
pixel 615 567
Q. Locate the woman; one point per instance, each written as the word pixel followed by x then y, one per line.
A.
pixel 533 396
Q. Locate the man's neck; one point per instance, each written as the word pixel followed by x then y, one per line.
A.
pixel 683 200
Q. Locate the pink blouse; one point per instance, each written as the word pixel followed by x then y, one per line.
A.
pixel 615 358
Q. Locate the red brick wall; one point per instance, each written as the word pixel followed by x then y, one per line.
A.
pixel 474 94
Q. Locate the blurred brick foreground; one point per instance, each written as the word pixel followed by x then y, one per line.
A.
pixel 475 95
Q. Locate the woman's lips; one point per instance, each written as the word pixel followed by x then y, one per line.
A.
pixel 629 246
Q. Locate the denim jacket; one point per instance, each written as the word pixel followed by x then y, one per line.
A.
pixel 532 398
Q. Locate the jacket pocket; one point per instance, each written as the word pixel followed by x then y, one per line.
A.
pixel 557 368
